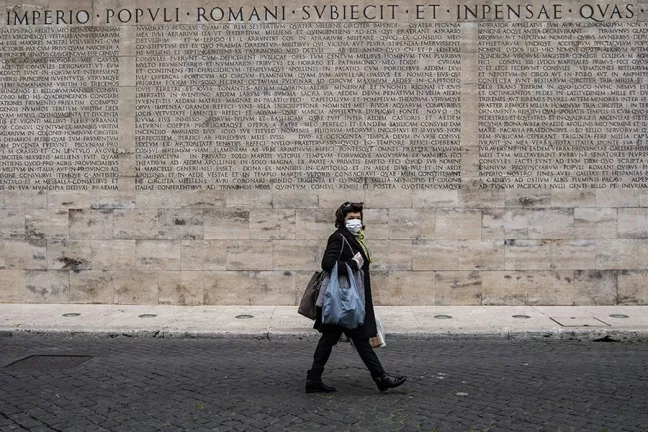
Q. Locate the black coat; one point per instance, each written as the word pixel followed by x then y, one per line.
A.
pixel 333 248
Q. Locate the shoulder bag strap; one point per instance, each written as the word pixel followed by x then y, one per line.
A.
pixel 342 248
pixel 344 240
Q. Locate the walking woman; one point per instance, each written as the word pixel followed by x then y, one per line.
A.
pixel 346 246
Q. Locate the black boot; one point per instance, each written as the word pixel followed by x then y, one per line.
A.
pixel 314 382
pixel 385 381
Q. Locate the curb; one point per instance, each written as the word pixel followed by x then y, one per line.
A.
pixel 594 335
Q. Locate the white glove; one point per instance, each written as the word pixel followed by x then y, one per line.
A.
pixel 358 259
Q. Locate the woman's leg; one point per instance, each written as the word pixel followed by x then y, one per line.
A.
pixel 368 356
pixel 323 350
pixel 325 345
pixel 370 359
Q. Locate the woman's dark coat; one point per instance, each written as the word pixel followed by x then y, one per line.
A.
pixel 333 247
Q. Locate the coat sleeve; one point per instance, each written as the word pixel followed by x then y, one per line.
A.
pixel 331 254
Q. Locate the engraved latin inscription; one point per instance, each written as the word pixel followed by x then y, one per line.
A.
pixel 563 105
pixel 302 105
pixel 58 108
pixel 327 105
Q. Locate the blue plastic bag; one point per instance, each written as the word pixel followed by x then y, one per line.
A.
pixel 343 306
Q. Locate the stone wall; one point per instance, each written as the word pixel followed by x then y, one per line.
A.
pixel 193 153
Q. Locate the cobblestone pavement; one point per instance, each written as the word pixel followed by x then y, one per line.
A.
pixel 250 385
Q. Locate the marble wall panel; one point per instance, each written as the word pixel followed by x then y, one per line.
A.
pixel 251 199
pixel 185 288
pixel 47 224
pixel 405 288
pixel 42 286
pixel 481 254
pixel 206 199
pixel 294 199
pixel 227 287
pixel 458 224
pixel 204 255
pixel 175 235
pixel 158 254
pixel 297 254
pixel 391 254
pixel 250 255
pixel 621 254
pixel 121 254
pixel 72 255
pixel 91 224
pixel 554 287
pixel 92 286
pixel 528 287
pixel 435 199
pixel 24 254
pixel 458 288
pixel 36 199
pixel 377 224
pixel 315 224
pixel 13 223
pixel 412 224
pixel 185 223
pixel 529 199
pixel 595 223
pixel 381 289
pixel 506 288
pixel 527 255
pixel 332 199
pixel 272 224
pixel 435 254
pixel 643 199
pixel 272 288
pixel 13 286
pixel 471 195
pixel 595 287
pixel 136 287
pixel 123 198
pixel 573 254
pixel 618 198
pixel 505 224
pixel 388 198
pixel 632 287
pixel 578 199
pixel 68 199
pixel 633 223
pixel 551 224
pixel 228 223
pixel 136 224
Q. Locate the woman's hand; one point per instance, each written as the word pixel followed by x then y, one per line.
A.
pixel 358 259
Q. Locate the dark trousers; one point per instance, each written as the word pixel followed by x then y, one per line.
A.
pixel 328 341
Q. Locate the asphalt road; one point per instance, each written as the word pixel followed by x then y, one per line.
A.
pixel 249 385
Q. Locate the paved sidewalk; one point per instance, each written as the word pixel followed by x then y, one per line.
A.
pixel 467 322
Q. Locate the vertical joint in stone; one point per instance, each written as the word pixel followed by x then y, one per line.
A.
pixel 469 104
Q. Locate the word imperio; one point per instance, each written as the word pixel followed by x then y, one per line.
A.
pixel 48 17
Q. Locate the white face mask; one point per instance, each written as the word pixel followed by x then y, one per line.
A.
pixel 354 226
